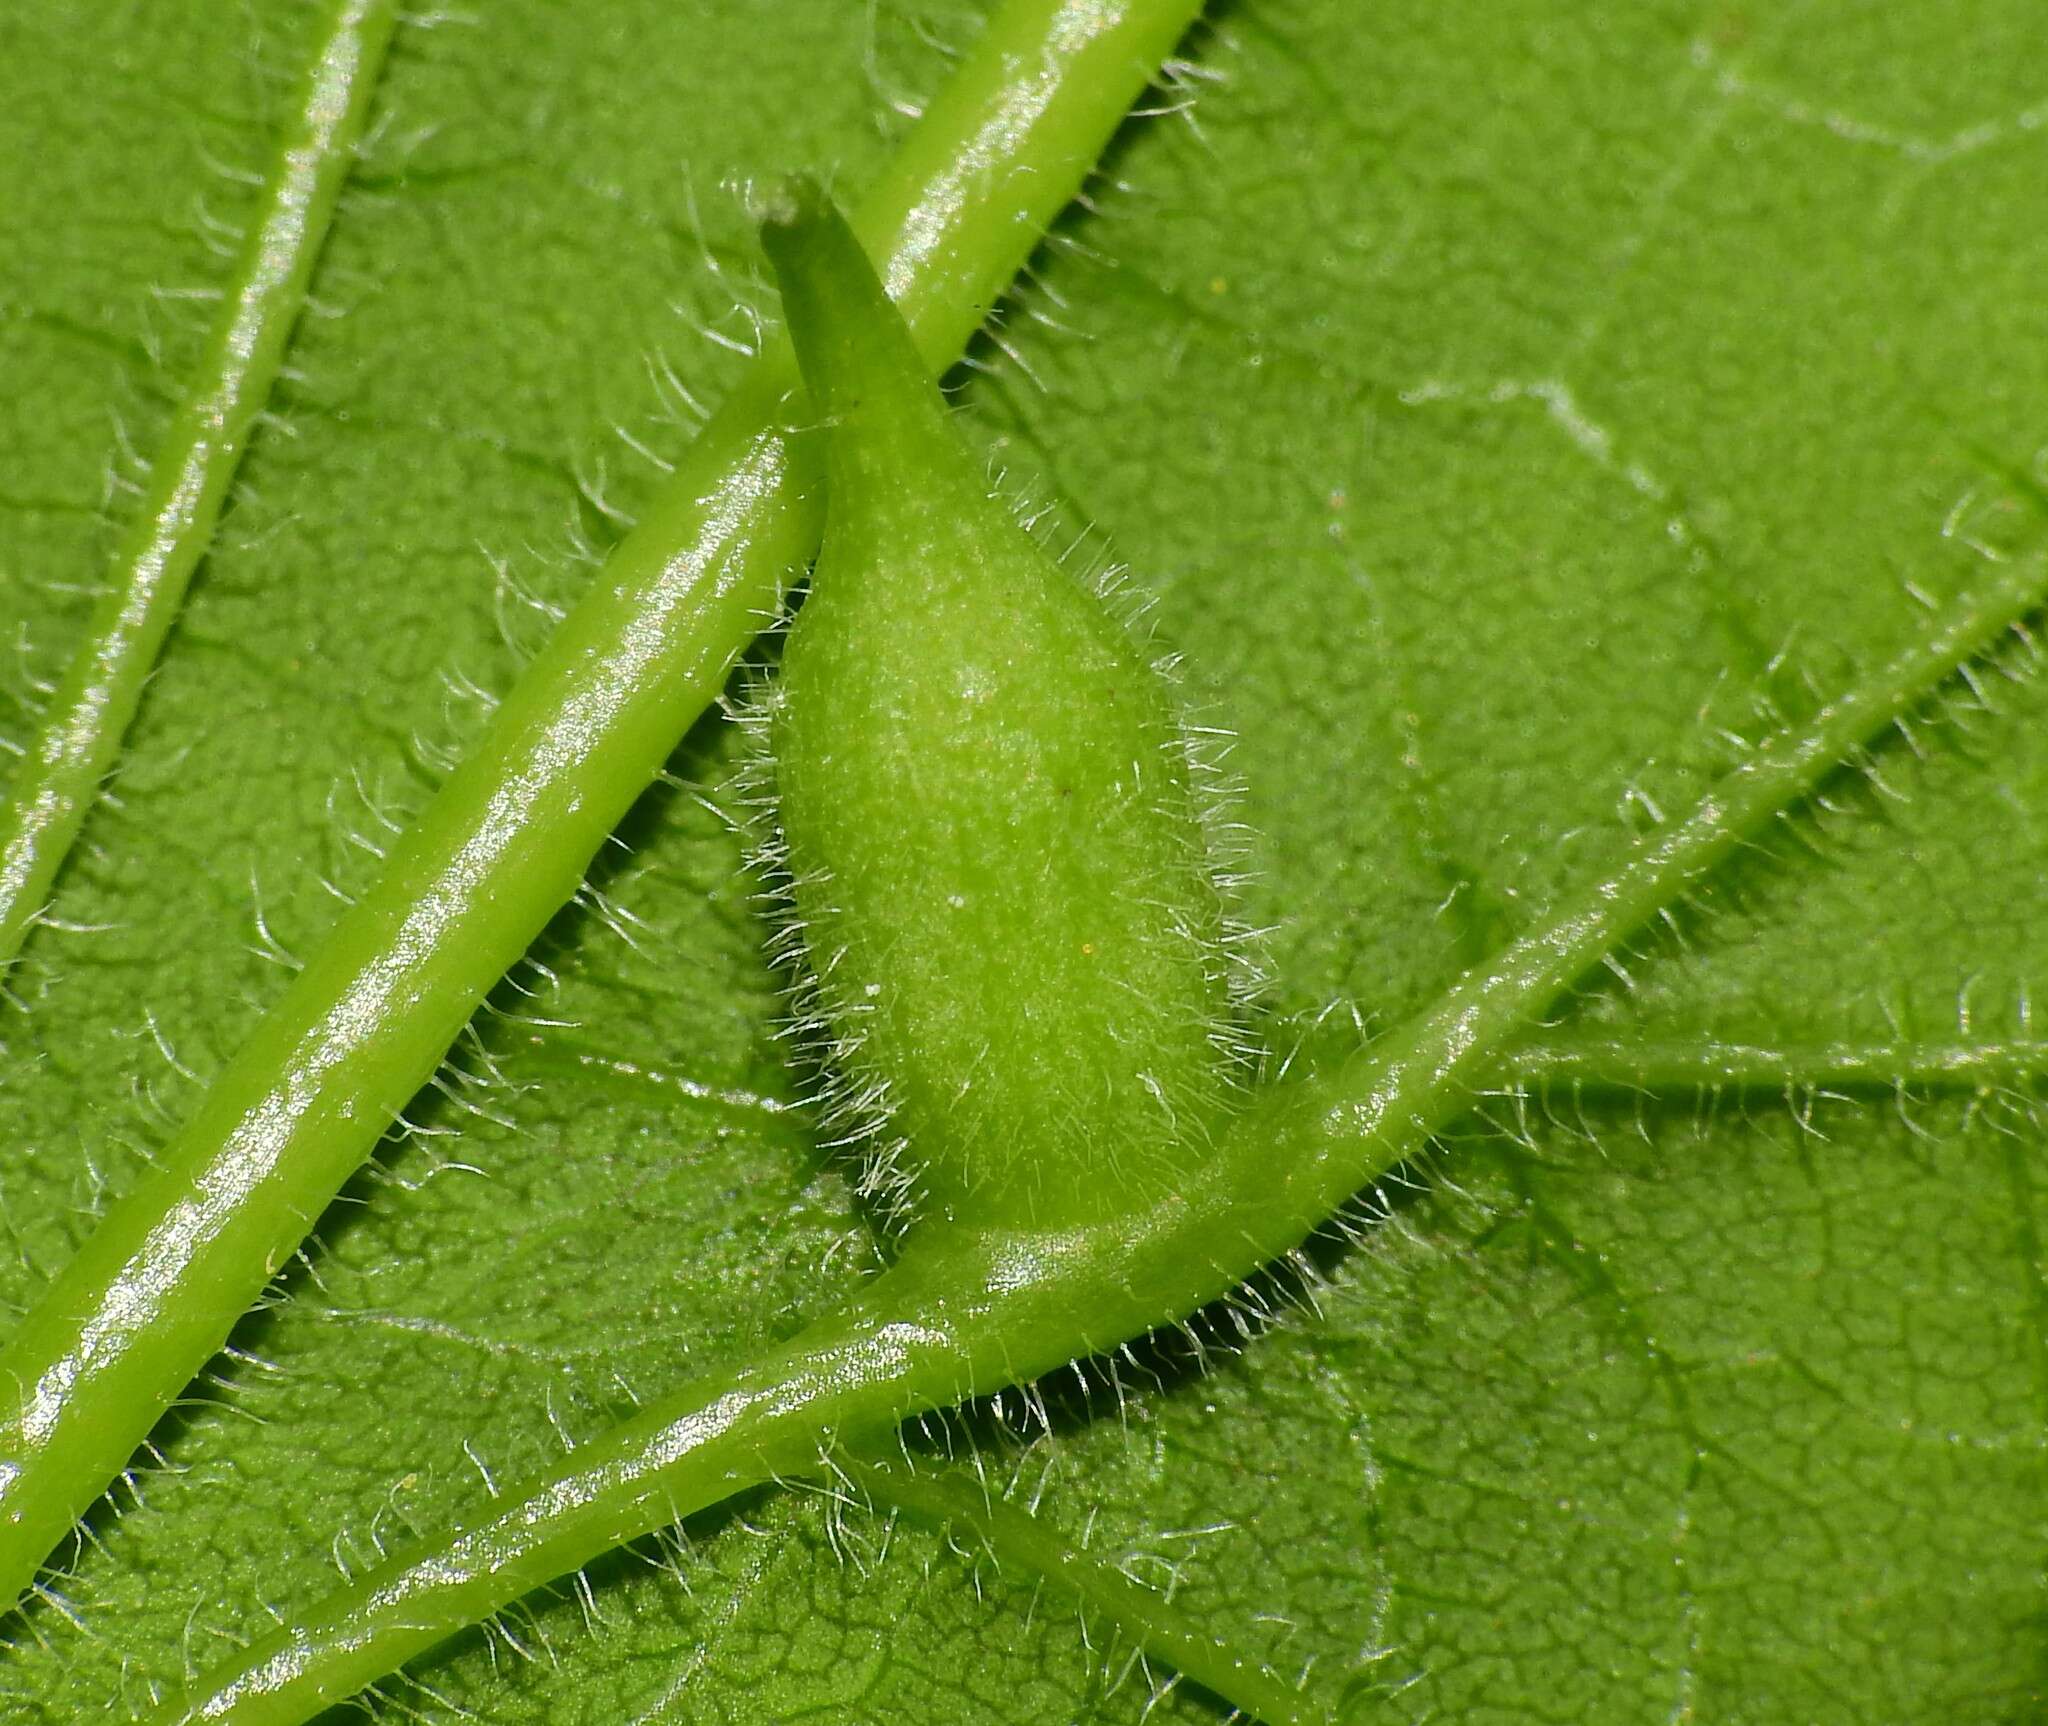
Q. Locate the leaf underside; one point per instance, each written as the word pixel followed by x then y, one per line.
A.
pixel 1501 417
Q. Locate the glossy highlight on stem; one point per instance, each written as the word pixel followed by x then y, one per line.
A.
pixel 1012 725
pixel 505 842
pixel 81 732
pixel 973 1305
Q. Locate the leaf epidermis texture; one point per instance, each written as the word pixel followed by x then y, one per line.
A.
pixel 1586 386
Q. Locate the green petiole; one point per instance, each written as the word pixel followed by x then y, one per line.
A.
pixel 974 1305
pixel 504 844
pixel 81 732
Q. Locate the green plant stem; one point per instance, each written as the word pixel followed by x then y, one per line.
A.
pixel 966 1312
pixel 961 1313
pixel 505 842
pixel 81 732
pixel 1655 1067
pixel 1398 1091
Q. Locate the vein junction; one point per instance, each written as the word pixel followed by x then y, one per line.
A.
pixel 980 1310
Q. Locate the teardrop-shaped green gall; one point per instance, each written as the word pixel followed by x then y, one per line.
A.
pixel 998 865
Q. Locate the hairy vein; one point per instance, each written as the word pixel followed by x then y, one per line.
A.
pixel 1408 1084
pixel 81 731
pixel 1146 1617
pixel 1705 1063
pixel 966 1312
pixel 505 842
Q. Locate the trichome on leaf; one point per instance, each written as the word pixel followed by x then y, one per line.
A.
pixel 1017 1268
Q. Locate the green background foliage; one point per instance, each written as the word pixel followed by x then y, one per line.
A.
pixel 1502 403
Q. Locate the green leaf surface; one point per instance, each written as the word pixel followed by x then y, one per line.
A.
pixel 1506 410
